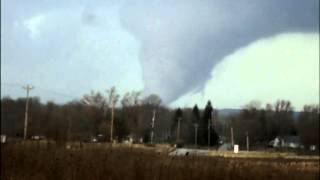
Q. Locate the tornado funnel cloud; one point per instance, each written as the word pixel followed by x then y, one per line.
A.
pixel 182 41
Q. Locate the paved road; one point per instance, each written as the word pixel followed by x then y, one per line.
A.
pixel 185 152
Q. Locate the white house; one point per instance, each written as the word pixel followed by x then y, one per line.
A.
pixel 286 141
pixel 3 138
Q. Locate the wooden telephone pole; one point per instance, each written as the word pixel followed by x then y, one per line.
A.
pixel 178 130
pixel 28 88
pixel 247 140
pixel 196 134
pixel 112 117
pixel 152 126
pixel 113 98
pixel 232 141
pixel 209 124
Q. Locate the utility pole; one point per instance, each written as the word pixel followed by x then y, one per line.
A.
pixel 247 140
pixel 113 98
pixel 112 117
pixel 152 126
pixel 210 122
pixel 69 128
pixel 209 132
pixel 178 130
pixel 196 134
pixel 28 88
pixel 232 142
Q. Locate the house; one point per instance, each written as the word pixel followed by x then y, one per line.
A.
pixel 3 138
pixel 38 137
pixel 286 142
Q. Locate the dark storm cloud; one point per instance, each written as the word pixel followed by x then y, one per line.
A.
pixel 183 40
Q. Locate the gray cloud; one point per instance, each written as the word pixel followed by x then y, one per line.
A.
pixel 88 18
pixel 183 40
pixel 66 46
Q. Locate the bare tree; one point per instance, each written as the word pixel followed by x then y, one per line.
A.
pixel 283 117
pixel 130 99
pixel 152 99
pixel 95 99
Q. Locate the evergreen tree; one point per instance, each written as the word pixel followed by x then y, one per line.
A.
pixel 195 121
pixel 195 114
pixel 207 118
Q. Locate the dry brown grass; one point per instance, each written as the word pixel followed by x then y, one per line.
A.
pixel 263 154
pixel 122 163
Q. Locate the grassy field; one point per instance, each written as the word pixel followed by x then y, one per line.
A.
pixel 31 161
pixel 263 154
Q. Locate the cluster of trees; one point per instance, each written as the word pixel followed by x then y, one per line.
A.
pixel 308 125
pixel 195 126
pixel 279 119
pixel 89 116
pixel 92 115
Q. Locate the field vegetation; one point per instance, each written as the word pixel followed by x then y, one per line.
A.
pixel 29 161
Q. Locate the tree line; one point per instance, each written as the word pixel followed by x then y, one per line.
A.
pixel 91 115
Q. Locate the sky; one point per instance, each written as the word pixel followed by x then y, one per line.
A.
pixel 188 52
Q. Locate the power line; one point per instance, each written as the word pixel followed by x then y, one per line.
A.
pixel 57 93
pixel 11 84
pixel 40 88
